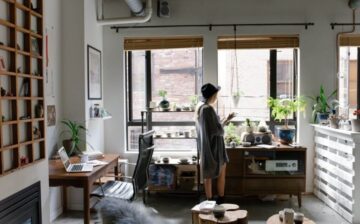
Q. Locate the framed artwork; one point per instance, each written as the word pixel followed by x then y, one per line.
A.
pixel 2 64
pixel 51 115
pixel 94 73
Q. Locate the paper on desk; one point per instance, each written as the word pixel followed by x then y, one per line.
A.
pixel 266 146
pixel 96 162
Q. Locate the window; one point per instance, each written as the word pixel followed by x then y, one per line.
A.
pixel 173 65
pixel 258 68
pixel 349 52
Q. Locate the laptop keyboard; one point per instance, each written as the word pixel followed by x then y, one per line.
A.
pixel 76 167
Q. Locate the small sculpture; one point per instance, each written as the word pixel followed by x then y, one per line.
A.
pixel 3 91
pixel 37 133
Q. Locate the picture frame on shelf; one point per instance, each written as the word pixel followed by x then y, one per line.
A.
pixel 51 115
pixel 2 64
pixel 94 73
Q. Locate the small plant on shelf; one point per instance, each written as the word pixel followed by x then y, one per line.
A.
pixel 249 125
pixel 322 105
pixel 164 103
pixel 74 129
pixel 230 134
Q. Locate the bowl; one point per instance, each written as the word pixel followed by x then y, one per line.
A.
pixel 165 160
pixel 219 211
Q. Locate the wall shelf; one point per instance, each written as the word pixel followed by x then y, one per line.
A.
pixel 21 50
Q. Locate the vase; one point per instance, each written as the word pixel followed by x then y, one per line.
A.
pixel 235 100
pixel 285 135
pixel 322 118
pixel 355 125
pixel 164 104
pixel 334 123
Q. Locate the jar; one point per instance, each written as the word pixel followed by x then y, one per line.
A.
pixel 96 110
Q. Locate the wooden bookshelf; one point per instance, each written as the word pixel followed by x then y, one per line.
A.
pixel 22 85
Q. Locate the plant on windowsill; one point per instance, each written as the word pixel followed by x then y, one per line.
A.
pixel 74 129
pixel 236 98
pixel 249 125
pixel 321 108
pixel 164 103
pixel 281 110
pixel 231 138
pixel 194 101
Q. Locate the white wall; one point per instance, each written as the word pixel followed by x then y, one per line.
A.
pixel 18 180
pixel 317 48
pixel 53 90
pixel 79 29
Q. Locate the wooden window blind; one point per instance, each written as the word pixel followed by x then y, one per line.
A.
pixel 162 43
pixel 349 40
pixel 255 42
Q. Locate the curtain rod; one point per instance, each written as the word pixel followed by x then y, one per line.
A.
pixel 306 25
pixel 343 24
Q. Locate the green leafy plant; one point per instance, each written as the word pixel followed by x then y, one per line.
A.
pixel 194 100
pixel 248 123
pixel 162 93
pixel 230 134
pixel 322 103
pixel 282 108
pixel 74 129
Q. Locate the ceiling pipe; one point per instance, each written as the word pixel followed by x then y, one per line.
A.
pixel 143 15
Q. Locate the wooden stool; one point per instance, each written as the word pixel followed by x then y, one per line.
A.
pixel 275 220
pixel 208 217
pixel 230 217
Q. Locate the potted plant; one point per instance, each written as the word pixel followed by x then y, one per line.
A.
pixel 281 110
pixel 74 129
pixel 194 101
pixel 164 103
pixel 321 107
pixel 249 126
pixel 355 123
pixel 236 97
pixel 231 138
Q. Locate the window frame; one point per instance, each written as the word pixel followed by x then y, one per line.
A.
pixel 273 87
pixel 130 122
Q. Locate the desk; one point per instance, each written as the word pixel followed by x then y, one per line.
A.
pixel 59 177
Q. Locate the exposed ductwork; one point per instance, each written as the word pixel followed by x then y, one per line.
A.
pixel 142 14
pixel 354 4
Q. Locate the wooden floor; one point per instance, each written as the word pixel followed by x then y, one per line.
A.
pixel 177 209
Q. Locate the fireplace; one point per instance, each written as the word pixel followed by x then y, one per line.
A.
pixel 23 207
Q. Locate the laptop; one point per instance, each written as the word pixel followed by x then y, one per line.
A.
pixel 73 167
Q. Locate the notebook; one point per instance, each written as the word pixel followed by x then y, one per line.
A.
pixel 73 167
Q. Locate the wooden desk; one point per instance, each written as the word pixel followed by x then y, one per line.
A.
pixel 59 177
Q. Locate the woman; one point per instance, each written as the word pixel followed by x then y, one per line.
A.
pixel 213 157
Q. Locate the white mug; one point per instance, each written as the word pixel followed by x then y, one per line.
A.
pixel 152 105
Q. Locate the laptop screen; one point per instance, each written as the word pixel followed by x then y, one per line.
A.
pixel 64 157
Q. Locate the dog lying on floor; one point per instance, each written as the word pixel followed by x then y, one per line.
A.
pixel 117 211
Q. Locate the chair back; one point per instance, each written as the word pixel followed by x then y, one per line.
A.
pixel 146 149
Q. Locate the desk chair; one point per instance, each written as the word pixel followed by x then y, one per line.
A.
pixel 128 189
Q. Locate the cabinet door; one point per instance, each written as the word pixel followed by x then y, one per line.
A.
pixel 235 166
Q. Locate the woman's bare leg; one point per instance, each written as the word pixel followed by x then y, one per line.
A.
pixel 208 188
pixel 221 181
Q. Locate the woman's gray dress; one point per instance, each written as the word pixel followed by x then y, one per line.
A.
pixel 210 142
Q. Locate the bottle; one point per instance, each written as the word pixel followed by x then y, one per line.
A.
pixel 96 110
pixel 91 112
